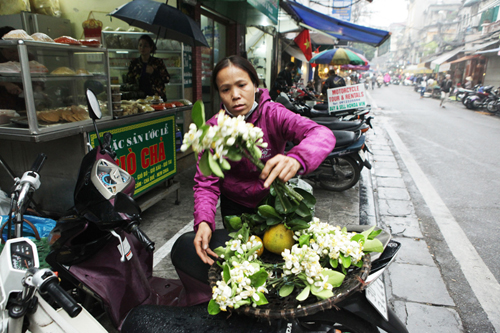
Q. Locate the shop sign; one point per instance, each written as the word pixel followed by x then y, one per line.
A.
pixel 146 150
pixel 269 8
pixel 342 10
pixel 345 98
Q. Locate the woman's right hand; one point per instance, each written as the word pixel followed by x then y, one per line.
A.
pixel 201 243
pixel 12 88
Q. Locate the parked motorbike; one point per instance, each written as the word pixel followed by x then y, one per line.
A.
pixel 395 81
pixel 462 93
pixel 436 92
pixel 493 105
pixel 32 298
pixel 479 99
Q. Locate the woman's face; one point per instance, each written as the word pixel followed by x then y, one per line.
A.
pixel 144 47
pixel 236 90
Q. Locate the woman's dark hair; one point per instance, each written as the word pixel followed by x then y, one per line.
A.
pixel 150 41
pixel 239 62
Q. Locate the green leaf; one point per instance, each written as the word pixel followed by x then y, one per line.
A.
pixel 374 233
pixel 234 222
pixel 346 261
pixel 220 250
pixel 213 307
pixel 304 294
pixel 257 218
pixel 259 278
pixel 268 211
pixel 262 299
pixel 357 238
pixel 257 152
pixel 323 294
pixel 367 232
pixel 225 165
pixel 198 113
pixel 225 273
pixel 297 224
pixel 234 154
pixel 334 278
pixel 286 290
pixel 373 245
pixel 303 210
pixel 214 166
pixel 304 240
pixel 309 199
pixel 203 164
pixel 242 302
pixel 334 263
pixel 273 221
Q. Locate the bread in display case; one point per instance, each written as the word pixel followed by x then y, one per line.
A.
pixel 45 83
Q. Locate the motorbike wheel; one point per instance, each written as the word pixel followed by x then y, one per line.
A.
pixel 337 321
pixel 464 99
pixel 340 174
pixel 469 104
pixel 492 106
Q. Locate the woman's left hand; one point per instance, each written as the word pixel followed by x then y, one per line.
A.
pixel 150 69
pixel 280 166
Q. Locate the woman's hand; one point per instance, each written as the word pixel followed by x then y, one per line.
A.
pixel 280 166
pixel 150 69
pixel 12 88
pixel 201 241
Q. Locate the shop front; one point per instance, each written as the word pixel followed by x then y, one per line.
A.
pixel 50 114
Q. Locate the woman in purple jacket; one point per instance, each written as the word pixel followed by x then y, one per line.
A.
pixel 244 186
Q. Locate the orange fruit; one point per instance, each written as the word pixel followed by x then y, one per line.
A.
pixel 278 238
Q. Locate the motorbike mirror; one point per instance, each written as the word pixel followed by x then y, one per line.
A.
pixel 93 103
pixel 125 204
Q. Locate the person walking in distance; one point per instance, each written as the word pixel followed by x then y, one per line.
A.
pixel 445 90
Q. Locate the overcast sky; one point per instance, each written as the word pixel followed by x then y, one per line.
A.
pixel 384 12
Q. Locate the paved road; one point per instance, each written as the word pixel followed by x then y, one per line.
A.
pixel 453 176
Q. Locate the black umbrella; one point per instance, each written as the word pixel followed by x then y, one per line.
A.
pixel 161 19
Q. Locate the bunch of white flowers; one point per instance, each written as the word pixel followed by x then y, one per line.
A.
pixel 244 280
pixel 231 138
pixel 302 259
pixel 330 241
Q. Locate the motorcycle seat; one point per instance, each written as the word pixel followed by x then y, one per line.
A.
pixel 335 124
pixel 345 138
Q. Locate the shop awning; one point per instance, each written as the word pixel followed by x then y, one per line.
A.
pixel 444 57
pixel 489 51
pixel 464 59
pixel 479 47
pixel 339 29
pixel 296 53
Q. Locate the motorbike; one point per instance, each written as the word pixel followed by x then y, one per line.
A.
pixel 32 298
pixel 102 255
pixel 366 83
pixel 493 105
pixel 462 93
pixel 395 81
pixel 479 99
pixel 436 92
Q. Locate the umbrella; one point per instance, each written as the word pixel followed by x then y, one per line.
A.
pixel 362 58
pixel 161 19
pixel 338 56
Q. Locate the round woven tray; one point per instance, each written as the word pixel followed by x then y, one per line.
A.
pixel 287 307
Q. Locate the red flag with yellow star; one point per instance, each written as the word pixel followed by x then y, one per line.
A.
pixel 303 40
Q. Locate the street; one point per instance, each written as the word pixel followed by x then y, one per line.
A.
pixel 453 147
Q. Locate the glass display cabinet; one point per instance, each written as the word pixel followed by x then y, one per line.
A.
pixel 42 88
pixel 122 48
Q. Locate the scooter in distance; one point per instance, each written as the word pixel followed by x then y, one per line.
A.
pixel 29 293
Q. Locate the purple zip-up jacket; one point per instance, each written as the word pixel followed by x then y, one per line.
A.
pixel 242 184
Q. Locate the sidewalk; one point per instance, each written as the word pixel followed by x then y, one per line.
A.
pixel 415 289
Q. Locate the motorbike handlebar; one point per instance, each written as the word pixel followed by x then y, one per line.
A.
pixel 37 165
pixel 143 238
pixel 61 297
